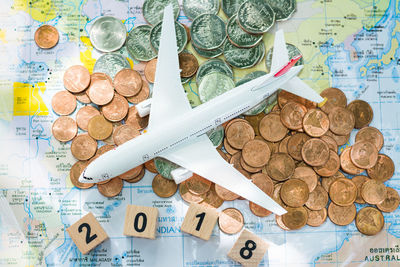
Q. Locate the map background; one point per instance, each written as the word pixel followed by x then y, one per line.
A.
pixel 352 45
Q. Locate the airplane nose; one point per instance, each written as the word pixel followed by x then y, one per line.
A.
pixel 84 179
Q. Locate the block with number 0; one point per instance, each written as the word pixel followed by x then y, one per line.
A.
pixel 141 221
pixel 249 249
pixel 199 221
pixel 87 233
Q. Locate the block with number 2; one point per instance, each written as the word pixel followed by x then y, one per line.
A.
pixel 199 221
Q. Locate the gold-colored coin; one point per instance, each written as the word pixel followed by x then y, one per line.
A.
pixel 46 36
pixel 318 199
pixel 280 167
pixel 230 221
pixel 383 170
pixel 198 185
pixel 295 218
pixel 316 217
pixel 99 128
pixel 307 175
pixel 359 181
pixel 364 155
pixel 76 171
pixel 256 153
pixel 272 129
pixel 315 152
pixel 362 111
pixel 391 202
pixel 343 192
pixel 294 193
pixel 163 187
pixel 112 188
pixel 373 192
pixel 84 115
pixel 83 147
pixel 369 221
pixel 330 167
pixel 340 215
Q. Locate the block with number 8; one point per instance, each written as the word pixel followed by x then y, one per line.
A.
pixel 249 249
pixel 199 221
pixel 87 233
pixel 141 221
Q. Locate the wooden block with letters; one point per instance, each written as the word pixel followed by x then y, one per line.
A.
pixel 87 233
pixel 141 221
pixel 249 249
pixel 199 221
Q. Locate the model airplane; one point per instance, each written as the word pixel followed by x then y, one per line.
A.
pixel 178 133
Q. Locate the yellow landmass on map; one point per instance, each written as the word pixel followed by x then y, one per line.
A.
pixel 86 56
pixel 3 36
pixel 42 10
pixel 27 100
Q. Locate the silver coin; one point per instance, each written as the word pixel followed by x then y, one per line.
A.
pixel 194 8
pixel 111 64
pixel 238 37
pixel 213 85
pixel 181 36
pixel 138 43
pixel 283 9
pixel 107 34
pixel 256 16
pixel 209 53
pixel 260 107
pixel 230 7
pixel 292 52
pixel 208 31
pixel 213 65
pixel 243 58
pixel 153 10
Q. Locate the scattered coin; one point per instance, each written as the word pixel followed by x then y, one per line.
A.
pixel 295 144
pixel 137 178
pixel 280 223
pixel 307 175
pixel 194 8
pixel 46 36
pixel 359 181
pixel 211 199
pixel 340 139
pixel 315 122
pixel 188 196
pixel 198 185
pixel 138 43
pixel 83 147
pixel 283 9
pixel 317 217
pixel 132 173
pixel 255 16
pixel 99 128
pixel 101 92
pixel 327 181
pixel 163 187
pixel 370 134
pixel 64 129
pixel 340 215
pixel 75 172
pixel 341 121
pixel 151 166
pixel 84 115
pixel 315 152
pixel 280 167
pixel 107 34
pixel 208 31
pixel 284 97
pixel 331 142
pixel 225 194
pixel 295 218
pixel 135 120
pixel 76 78
pixel 117 109
pixel 272 129
pixel 213 65
pixel 124 133
pixel 362 111
pixel 127 82
pixel 239 133
pixel 181 36
pixel 189 64
pixel 150 70
pixel 230 221
pixel 63 103
pixel 292 115
pixel 383 169
pixel 238 37
pixel 153 10
pixel 294 193
pixel 317 199
pixel 373 192
pixel 343 192
pixel 143 94
pixel 369 221
pixel 364 155
pixel 335 98
pixel 256 153
pixel 243 58
pixel 331 166
pixel 111 188
pixel 213 85
pixel 111 64
pixel 347 165
pixel 391 202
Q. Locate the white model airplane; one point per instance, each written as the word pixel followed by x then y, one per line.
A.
pixel 178 133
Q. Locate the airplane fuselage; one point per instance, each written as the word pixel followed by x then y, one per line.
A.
pixel 189 126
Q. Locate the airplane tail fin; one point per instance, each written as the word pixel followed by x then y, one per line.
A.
pixel 280 58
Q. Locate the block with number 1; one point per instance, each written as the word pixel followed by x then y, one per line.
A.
pixel 199 221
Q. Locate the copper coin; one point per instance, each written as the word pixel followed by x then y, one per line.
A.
pixel 373 192
pixel 256 153
pixel 359 181
pixel 75 172
pixel 273 146
pixel 283 145
pixel 372 135
pixel 112 188
pixel 249 168
pixel 239 133
pixel 99 128
pixel 225 194
pixel 188 196
pixel 135 120
pixel 343 192
pixel 63 103
pixel 340 139
pixel 188 64
pixel 116 110
pixel 264 182
pixel 336 98
pixel 362 111
pixel 235 160
pixel 83 147
pixel 316 217
pixel 383 169
pixel 163 187
pixel 230 221
pixel 99 76
pixel 101 92
pixel 211 199
pixel 346 164
pixel 103 149
pixel 364 155
pixel 84 115
pixel 229 123
pixel 295 218
pixel 64 129
pixel 255 121
pixel 137 178
pixel 341 121
pixel 295 144
pixel 276 195
pixel 76 78
pixel 132 173
pixel 369 221
pixel 331 142
pixel 46 36
pixel 280 167
pixel 127 82
pixel 142 95
pixel 315 152
pixel 327 181
pixel 151 166
pixel 150 70
pixel 318 199
pixel 294 193
pixel 391 202
pixel 109 140
pixel 272 129
pixel 340 215
pixel 307 175
pixel 124 133
pixel 284 97
pixel 279 222
pixel 198 185
pixel 292 115
pixel 258 210
pixel 315 123
pixel 229 148
pixel 330 167
pixel 83 97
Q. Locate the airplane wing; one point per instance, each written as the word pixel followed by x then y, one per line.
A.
pixel 169 98
pixel 201 157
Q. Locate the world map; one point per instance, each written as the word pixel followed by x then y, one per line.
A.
pixel 349 44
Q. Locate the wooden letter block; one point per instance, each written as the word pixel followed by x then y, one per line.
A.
pixel 87 233
pixel 249 249
pixel 199 221
pixel 141 221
